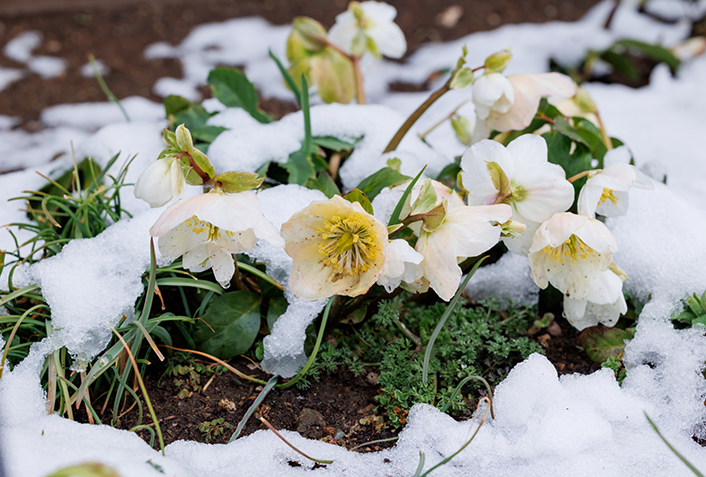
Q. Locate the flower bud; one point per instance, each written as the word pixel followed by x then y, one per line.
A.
pixel 512 229
pixel 161 182
pixel 333 75
pixel 310 33
pixel 497 62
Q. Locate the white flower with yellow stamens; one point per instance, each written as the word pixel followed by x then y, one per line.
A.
pixel 402 267
pixel 584 313
pixel 209 228
pixel 464 232
pixel 573 253
pixel 535 188
pixel 337 247
pixel 606 191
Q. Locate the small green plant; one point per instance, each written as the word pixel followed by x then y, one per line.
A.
pixel 187 372
pixel 616 364
pixel 215 428
pixel 694 313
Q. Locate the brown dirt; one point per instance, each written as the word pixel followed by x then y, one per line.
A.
pixel 118 36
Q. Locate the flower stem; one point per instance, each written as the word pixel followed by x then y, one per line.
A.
pixel 449 116
pixel 359 91
pixel 397 138
pixel 578 176
pixel 604 133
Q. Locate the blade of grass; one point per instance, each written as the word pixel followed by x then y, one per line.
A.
pixel 269 426
pixel 461 384
pixel 395 217
pixel 17 293
pixel 142 385
pixel 420 467
pixel 260 397
pixel 671 448
pixel 378 441
pixel 14 332
pixel 442 321
pixel 288 78
pixel 104 87
pixel 190 282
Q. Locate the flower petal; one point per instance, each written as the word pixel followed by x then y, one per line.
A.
pixel 389 39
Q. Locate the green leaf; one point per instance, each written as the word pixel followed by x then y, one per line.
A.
pixel 182 111
pixel 300 168
pixel 601 342
pixel 332 143
pixel 655 52
pixel 462 79
pixel 563 126
pixel 233 89
pixel 356 195
pixel 287 77
pixel 622 64
pixel 325 184
pixel 376 182
pixel 235 320
pixel 462 128
pixel 233 182
pixel 592 137
pixel 277 308
pixel 207 133
pixel 450 172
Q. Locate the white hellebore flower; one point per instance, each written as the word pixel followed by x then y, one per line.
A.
pixel 574 254
pixel 403 265
pixel 209 228
pixel 535 188
pixel 162 181
pixel 464 232
pixel 583 313
pixel 337 247
pixel 510 103
pixel 368 26
pixel 606 191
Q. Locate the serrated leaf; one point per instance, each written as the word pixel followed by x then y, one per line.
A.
pixel 278 306
pixel 356 195
pixel 376 182
pixel 232 88
pixel 563 126
pixel 601 342
pixel 235 320
pixel 239 181
pixel 332 143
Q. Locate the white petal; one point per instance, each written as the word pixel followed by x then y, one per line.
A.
pixel 619 155
pixel 343 32
pixel 597 236
pixel 156 184
pixel 523 109
pixel 588 199
pixel 528 149
pixel 554 84
pixel 489 88
pixel 181 239
pixel 403 264
pixel 521 244
pixel 389 39
pixel 379 12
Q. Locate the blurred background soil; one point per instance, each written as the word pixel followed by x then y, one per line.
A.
pixel 118 31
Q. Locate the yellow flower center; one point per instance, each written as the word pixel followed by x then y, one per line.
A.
pixel 200 226
pixel 573 249
pixel 608 194
pixel 347 244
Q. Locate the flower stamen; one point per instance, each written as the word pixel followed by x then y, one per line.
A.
pixel 608 194
pixel 347 244
pixel 573 249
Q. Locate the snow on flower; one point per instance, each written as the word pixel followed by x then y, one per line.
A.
pixel 337 247
pixel 509 103
pixel 574 254
pixel 464 232
pixel 368 26
pixel 535 188
pixel 162 181
pixel 606 191
pixel 402 267
pixel 209 228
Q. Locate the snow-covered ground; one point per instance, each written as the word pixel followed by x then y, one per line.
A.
pixel 544 425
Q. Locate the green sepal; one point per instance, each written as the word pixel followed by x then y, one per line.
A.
pixel 310 33
pixel 462 128
pixel 435 217
pixel 499 178
pixel 462 78
pixel 202 161
pixel 170 138
pixel 497 62
pixel 356 195
pixel 426 200
pixel 238 181
pixel 372 47
pixel 333 75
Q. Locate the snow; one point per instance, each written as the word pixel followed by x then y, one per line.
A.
pixel 20 49
pixel 544 424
